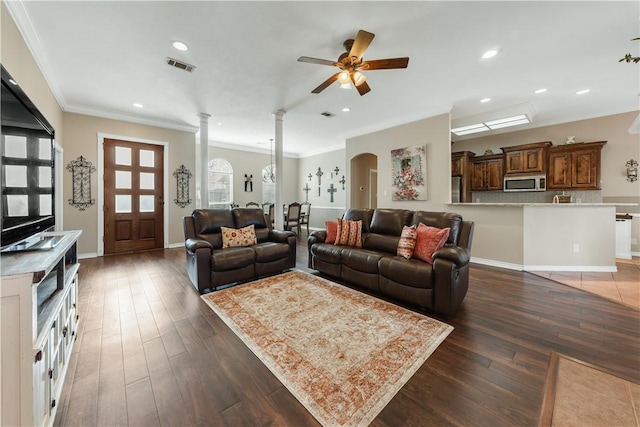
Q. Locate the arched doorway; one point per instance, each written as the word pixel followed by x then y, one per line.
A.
pixel 364 181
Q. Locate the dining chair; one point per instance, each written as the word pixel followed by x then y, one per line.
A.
pixel 305 211
pixel 233 205
pixel 253 204
pixel 293 217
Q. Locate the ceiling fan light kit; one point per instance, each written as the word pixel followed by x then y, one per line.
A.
pixel 350 63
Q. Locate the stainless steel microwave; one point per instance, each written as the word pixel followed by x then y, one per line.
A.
pixel 525 183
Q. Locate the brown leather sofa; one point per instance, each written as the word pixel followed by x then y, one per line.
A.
pixel 439 288
pixel 210 265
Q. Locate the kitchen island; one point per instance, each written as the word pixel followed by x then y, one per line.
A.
pixel 543 236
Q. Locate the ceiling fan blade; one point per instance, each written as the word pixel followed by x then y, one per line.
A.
pixel 385 64
pixel 326 83
pixel 363 88
pixel 316 61
pixel 361 43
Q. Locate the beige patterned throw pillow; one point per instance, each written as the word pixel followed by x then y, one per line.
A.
pixel 232 237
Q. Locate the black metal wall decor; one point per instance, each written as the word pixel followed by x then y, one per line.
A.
pixel 342 181
pixel 331 190
pixel 306 190
pixel 81 170
pixel 183 175
pixel 319 175
pixel 248 182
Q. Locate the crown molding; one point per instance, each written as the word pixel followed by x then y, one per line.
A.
pixel 18 11
pixel 112 115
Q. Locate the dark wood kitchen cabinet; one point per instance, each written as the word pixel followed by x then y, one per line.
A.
pixel 487 172
pixel 527 158
pixel 574 166
pixel 461 166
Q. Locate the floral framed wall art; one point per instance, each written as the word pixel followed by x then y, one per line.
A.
pixel 409 173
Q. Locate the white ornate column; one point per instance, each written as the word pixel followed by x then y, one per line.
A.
pixel 278 211
pixel 204 159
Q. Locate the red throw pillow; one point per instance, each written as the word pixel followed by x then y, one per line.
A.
pixel 429 240
pixel 332 231
pixel 407 241
pixel 349 233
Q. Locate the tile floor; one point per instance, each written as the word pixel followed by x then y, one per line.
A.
pixel 586 396
pixel 622 286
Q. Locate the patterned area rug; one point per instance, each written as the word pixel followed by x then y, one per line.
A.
pixel 343 354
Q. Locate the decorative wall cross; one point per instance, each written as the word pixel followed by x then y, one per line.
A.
pixel 331 190
pixel 310 176
pixel 306 190
pixel 319 175
pixel 342 181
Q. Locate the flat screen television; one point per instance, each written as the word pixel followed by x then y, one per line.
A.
pixel 27 168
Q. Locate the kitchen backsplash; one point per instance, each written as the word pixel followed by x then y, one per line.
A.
pixel 590 196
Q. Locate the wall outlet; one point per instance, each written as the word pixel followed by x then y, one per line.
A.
pixel 576 248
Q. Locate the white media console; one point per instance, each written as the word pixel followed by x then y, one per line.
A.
pixel 38 324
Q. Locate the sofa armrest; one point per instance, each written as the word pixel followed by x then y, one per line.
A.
pixel 459 256
pixel 279 236
pixel 193 245
pixel 317 236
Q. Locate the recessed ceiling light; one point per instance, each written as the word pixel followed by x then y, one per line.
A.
pixel 543 90
pixel 180 46
pixel 138 105
pixel 489 54
pixel 582 92
pixel 346 109
pixel 219 123
pixel 483 100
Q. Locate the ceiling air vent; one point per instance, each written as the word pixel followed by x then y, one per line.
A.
pixel 181 65
pixel 327 114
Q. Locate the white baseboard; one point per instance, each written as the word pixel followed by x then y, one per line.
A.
pixel 500 264
pixel 88 255
pixel 520 267
pixel 176 245
pixel 579 268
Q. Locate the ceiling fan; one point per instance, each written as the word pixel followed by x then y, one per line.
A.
pixel 351 64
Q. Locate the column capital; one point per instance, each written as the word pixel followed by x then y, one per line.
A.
pixel 204 116
pixel 279 113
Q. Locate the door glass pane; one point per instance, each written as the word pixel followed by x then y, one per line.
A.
pixel 45 149
pixel 123 203
pixel 45 204
pixel 146 203
pixel 15 146
pixel 146 181
pixel 123 156
pixel 16 176
pixel 123 179
pixel 44 177
pixel 146 158
pixel 17 205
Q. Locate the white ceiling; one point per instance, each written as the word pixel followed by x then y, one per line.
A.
pixel 101 57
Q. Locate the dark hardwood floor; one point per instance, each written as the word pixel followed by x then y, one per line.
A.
pixel 150 352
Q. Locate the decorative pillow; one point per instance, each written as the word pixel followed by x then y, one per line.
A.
pixel 429 240
pixel 232 237
pixel 349 233
pixel 332 231
pixel 407 241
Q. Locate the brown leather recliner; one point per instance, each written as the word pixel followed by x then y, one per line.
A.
pixel 210 265
pixel 440 287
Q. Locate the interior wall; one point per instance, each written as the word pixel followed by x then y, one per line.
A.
pixel 322 209
pixel 81 140
pixel 252 163
pixel 361 166
pixel 17 59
